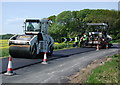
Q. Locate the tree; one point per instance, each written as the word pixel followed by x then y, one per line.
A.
pixel 52 18
pixel 72 23
pixel 6 36
pixel 57 31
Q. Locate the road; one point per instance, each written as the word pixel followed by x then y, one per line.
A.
pixel 20 62
pixel 63 64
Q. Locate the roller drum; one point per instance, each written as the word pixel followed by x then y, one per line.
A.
pixel 20 51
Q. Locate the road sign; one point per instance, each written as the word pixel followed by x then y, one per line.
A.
pixel 68 39
pixel 71 39
pixel 64 39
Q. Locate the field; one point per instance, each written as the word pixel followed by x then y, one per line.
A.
pixel 4 48
pixel 4 52
pixel 3 44
pixel 107 73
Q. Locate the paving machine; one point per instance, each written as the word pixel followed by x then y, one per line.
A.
pixel 97 35
pixel 35 41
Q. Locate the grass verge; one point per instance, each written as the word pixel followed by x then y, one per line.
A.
pixel 61 46
pixel 4 52
pixel 107 73
pixel 115 41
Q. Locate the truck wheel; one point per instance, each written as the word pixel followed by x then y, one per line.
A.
pixel 110 45
pixel 33 51
pixel 51 51
pixel 103 46
pixel 41 55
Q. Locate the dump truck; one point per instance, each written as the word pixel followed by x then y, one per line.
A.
pixel 96 35
pixel 35 40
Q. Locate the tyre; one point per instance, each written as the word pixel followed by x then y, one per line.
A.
pixel 51 51
pixel 33 51
pixel 103 46
pixel 110 45
pixel 41 55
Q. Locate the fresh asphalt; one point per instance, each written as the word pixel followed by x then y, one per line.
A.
pixel 22 62
pixel 63 64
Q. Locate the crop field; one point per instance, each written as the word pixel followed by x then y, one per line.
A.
pixel 4 48
pixel 3 44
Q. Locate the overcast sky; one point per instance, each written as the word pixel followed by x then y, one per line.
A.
pixel 14 13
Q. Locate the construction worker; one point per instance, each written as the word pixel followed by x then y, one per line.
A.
pixel 30 27
pixel 83 40
pixel 76 41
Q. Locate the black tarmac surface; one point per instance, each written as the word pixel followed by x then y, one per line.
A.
pixel 61 65
pixel 22 62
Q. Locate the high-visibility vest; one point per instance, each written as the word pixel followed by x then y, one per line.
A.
pixel 30 26
pixel 84 37
pixel 76 39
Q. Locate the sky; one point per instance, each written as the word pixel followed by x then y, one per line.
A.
pixel 14 13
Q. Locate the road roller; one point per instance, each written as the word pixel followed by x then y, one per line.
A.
pixel 35 40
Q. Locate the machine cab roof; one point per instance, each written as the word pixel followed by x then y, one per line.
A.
pixel 35 26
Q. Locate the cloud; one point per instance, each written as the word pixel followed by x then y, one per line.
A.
pixel 14 20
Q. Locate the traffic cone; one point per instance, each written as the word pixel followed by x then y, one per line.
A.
pixel 45 59
pixel 97 47
pixel 9 69
pixel 106 45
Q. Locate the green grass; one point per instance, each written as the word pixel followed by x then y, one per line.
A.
pixel 63 45
pixel 4 52
pixel 107 73
pixel 115 41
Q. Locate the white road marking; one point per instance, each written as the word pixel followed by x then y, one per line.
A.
pixel 45 81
